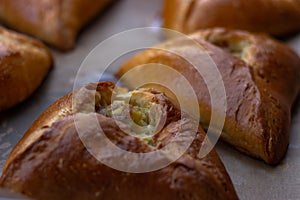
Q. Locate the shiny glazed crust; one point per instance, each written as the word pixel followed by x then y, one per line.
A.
pixel 261 77
pixel 57 22
pixel 275 17
pixel 50 162
pixel 24 62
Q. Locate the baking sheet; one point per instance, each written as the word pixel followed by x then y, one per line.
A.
pixel 252 179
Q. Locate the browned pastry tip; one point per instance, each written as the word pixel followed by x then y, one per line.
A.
pixel 51 162
pixel 261 78
pixel 56 22
pixel 24 63
pixel 278 18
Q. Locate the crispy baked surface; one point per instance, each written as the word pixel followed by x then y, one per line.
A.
pixel 51 162
pixel 261 78
pixel 24 62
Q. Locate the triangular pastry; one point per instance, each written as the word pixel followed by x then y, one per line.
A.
pixel 261 78
pixel 56 22
pixel 51 162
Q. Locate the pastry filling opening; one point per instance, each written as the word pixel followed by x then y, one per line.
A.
pixel 237 49
pixel 138 110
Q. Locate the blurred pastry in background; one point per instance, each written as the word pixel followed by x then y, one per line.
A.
pixel 57 22
pixel 24 63
pixel 278 18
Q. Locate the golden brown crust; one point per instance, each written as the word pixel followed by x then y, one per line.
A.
pixel 24 62
pixel 270 16
pixel 57 22
pixel 56 165
pixel 261 78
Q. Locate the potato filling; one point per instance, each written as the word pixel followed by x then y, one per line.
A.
pixel 137 110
